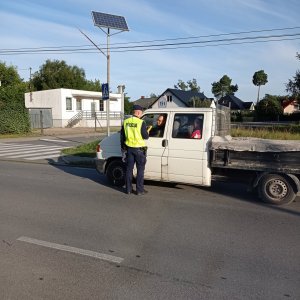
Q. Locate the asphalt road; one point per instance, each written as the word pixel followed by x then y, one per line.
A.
pixel 66 234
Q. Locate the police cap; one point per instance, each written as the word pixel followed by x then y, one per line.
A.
pixel 137 107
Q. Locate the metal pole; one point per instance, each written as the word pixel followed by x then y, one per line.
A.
pixel 108 81
pixel 95 121
pixel 30 84
pixel 41 122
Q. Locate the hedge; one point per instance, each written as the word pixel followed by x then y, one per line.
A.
pixel 14 121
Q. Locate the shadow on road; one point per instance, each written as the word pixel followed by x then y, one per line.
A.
pixel 235 190
pixel 84 172
pixel 239 192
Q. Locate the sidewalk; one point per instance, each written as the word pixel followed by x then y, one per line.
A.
pixel 61 132
pixel 72 131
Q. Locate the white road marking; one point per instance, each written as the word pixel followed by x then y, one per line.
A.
pixel 30 151
pixel 19 148
pixel 60 141
pixel 98 255
pixel 25 152
pixel 43 157
pixel 28 154
pixel 9 144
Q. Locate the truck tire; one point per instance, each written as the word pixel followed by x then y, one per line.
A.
pixel 116 172
pixel 276 189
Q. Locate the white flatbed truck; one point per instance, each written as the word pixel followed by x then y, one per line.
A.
pixel 271 167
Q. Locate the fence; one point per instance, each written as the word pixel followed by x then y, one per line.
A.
pixel 40 117
pixel 260 125
pixel 223 123
pixel 100 115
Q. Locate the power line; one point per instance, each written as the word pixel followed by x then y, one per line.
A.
pixel 210 45
pixel 158 40
pixel 215 35
pixel 161 46
pixel 91 51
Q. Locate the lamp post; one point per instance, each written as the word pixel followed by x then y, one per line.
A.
pixel 108 21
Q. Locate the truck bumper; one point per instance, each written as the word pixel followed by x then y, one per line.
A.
pixel 100 165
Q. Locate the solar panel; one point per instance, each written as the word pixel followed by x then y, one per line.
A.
pixel 109 21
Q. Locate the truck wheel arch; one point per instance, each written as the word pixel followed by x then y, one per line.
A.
pixel 277 188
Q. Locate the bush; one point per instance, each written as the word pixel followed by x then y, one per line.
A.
pixel 242 116
pixel 291 117
pixel 14 121
pixel 268 109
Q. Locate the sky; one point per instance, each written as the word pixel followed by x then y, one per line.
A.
pixel 55 23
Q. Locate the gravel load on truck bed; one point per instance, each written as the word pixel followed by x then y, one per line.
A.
pixel 253 144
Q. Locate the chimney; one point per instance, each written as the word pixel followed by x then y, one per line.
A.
pixel 121 88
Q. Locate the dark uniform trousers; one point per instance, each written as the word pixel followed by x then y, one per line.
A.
pixel 135 156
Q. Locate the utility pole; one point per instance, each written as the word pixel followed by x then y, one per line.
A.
pixel 108 82
pixel 30 85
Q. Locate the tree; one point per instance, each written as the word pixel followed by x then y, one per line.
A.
pixel 8 75
pixel 153 95
pixel 269 108
pixel 13 115
pixel 12 87
pixel 127 106
pixel 181 85
pixel 293 85
pixel 190 85
pixel 57 74
pixel 259 78
pixel 91 85
pixel 223 87
pixel 198 102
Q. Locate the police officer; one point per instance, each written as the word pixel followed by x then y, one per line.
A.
pixel 133 136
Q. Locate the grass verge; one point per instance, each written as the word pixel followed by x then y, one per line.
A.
pixel 85 150
pixel 272 134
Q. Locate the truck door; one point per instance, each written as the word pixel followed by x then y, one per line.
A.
pixel 156 156
pixel 186 155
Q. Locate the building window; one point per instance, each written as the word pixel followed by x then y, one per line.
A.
pixel 169 98
pixel 101 105
pixel 68 103
pixel 78 104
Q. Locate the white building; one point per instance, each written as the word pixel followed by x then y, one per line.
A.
pixel 69 108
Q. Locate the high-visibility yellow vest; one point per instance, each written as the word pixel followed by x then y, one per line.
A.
pixel 132 129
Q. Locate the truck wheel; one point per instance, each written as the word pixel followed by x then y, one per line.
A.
pixel 276 189
pixel 115 173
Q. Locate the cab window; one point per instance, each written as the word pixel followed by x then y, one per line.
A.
pixel 155 124
pixel 187 126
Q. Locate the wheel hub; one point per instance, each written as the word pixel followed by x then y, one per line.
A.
pixel 118 173
pixel 277 188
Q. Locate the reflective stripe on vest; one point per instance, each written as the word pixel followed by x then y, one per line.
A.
pixel 132 129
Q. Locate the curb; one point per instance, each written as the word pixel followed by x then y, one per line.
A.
pixel 77 161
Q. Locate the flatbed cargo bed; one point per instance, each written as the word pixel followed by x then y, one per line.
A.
pixel 255 154
pixel 286 162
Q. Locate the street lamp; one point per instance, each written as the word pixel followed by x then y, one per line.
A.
pixel 109 22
